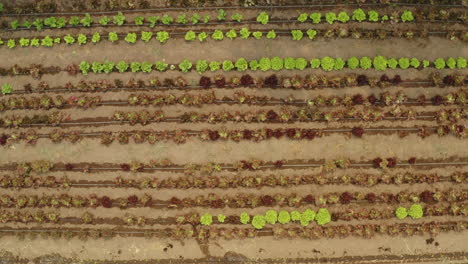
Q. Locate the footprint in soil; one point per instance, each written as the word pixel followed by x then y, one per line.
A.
pixel 168 247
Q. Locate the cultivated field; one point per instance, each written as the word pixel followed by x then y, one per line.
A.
pixel 233 132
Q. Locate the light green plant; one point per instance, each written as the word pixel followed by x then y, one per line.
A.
pixel 257 34
pixel 119 19
pixel 407 16
pixel 166 19
pixel 185 65
pixel 206 219
pixel 241 64
pixel 401 212
pixel 315 63
pixel 323 216
pixel 258 221
pixel 228 65
pixel 365 63
pixel 303 17
pixel 113 37
pixel 146 36
pixel 311 33
pixel 122 66
pixel 7 88
pixel 82 39
pixel 316 17
pixel 297 34
pixel 244 218
pixel 276 63
pixel 190 35
pixel 415 211
pixel 231 34
pixel 284 217
pixel 214 66
pixel 202 36
pixel 162 36
pixel 221 218
pixel 330 17
pixel 327 63
pixel 237 17
pixel 359 15
pixel 244 33
pixel 263 18
pixel 264 64
pixel 271 34
pixel 271 217
pixel 96 37
pixel 217 35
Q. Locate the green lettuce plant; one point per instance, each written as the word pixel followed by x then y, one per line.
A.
pixel 315 63
pixel 257 34
pixel 303 17
pixel 108 67
pixel 221 15
pixel 122 66
pixel 221 218
pixel 96 37
pixel 206 219
pixel 415 211
pixel 316 17
pixel 135 66
pixel 407 16
pixel 244 218
pixel 104 20
pixel 201 66
pixel 237 17
pixel 330 17
pixel 301 63
pixel 297 34
pixel 380 63
pixel 264 64
pixel 84 67
pixel 254 65
pixel 244 33
pixel 241 64
pixel 24 42
pixel 276 63
pixel 217 35
pixel 113 37
pixel 461 63
pixel 343 17
pixel 258 221
pixel 451 63
pixel 47 41
pixel 295 216
pixel 359 15
pixel 190 35
pixel 153 20
pixel 185 65
pixel 7 88
pixel 214 66
pixel 162 36
pixel 182 19
pixel 373 16
pixel 82 39
pixel 119 19
pixel 161 66
pixel 146 36
pixel 228 65
pixel 284 217
pixel 415 63
pixel 404 63
pixel 365 63
pixel 339 64
pixel 195 18
pixel 69 39
pixel 401 212
pixel 271 217
pixel 392 63
pixel 289 63
pixel 231 34
pixel 323 216
pixel 86 21
pixel 327 63
pixel 271 34
pixel 166 19
pixel 263 18
pixel 311 33
pixel 202 36
pixel 146 67
pixel 353 63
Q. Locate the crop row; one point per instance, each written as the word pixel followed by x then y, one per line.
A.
pixel 239 200
pixel 43 166
pixel 223 134
pixel 379 63
pixel 357 15
pixel 101 8
pixel 228 233
pixel 220 81
pixel 195 219
pixel 46 102
pixel 244 33
pixel 228 182
pixel 285 115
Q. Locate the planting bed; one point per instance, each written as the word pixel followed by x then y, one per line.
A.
pixel 238 132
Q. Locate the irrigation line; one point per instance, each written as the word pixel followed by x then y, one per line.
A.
pixel 233 7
